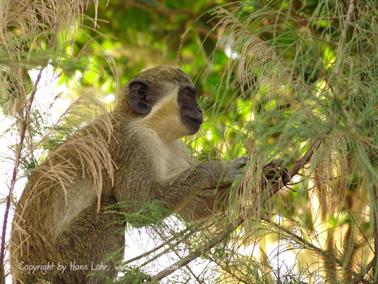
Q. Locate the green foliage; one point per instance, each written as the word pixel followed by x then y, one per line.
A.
pixel 140 215
pixel 132 276
pixel 273 76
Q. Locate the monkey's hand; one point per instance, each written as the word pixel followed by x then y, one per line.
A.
pixel 274 173
pixel 233 170
pixel 221 174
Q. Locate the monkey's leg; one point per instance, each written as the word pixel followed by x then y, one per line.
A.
pixel 91 247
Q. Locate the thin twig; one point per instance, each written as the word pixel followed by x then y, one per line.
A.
pixel 351 5
pixel 195 254
pixel 170 246
pixel 374 198
pixel 225 267
pixel 24 124
pixel 360 277
pixel 155 249
pixel 309 245
pixel 173 248
pixel 348 18
pixel 298 165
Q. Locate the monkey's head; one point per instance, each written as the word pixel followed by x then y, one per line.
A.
pixel 165 100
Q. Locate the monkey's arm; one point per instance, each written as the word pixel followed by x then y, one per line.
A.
pixel 140 183
pixel 214 201
pixel 177 191
pixel 140 176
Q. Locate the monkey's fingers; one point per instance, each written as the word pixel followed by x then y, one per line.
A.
pixel 240 162
pixel 275 172
pixel 233 170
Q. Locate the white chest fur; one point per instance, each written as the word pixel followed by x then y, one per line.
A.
pixel 169 159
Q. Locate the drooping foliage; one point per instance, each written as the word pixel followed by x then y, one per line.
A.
pixel 276 78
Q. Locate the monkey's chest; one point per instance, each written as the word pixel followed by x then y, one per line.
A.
pixel 169 162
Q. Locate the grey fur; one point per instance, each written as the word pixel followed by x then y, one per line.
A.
pixel 63 226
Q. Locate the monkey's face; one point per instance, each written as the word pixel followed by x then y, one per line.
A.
pixel 166 100
pixel 190 112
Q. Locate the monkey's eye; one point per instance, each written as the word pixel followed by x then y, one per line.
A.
pixel 189 91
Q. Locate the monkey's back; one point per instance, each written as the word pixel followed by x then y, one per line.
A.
pixel 57 217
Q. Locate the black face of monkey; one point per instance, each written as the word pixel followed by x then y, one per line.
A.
pixel 191 113
pixel 161 83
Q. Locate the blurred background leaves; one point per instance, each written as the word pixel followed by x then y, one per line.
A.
pixel 273 77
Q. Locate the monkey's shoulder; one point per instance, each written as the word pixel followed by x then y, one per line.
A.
pixel 144 148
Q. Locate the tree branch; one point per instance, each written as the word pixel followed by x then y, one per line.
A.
pixel 177 238
pixel 373 264
pixel 348 18
pixel 298 165
pixel 375 222
pixel 25 119
pixel 309 245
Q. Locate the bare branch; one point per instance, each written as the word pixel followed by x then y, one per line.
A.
pixel 25 119
pixel 182 236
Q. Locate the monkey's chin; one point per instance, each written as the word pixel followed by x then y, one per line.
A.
pixel 193 129
pixel 192 124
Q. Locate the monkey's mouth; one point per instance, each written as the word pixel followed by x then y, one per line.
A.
pixel 192 123
pixel 195 120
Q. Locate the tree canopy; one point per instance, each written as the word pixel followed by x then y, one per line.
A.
pixel 290 80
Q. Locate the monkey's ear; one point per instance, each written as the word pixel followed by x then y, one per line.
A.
pixel 139 98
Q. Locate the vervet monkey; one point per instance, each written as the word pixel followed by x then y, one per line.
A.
pixel 137 158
